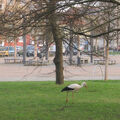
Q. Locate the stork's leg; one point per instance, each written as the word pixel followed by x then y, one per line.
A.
pixel 72 96
pixel 67 97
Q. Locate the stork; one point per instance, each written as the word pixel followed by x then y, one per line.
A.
pixel 72 88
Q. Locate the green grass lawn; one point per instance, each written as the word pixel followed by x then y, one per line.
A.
pixel 44 101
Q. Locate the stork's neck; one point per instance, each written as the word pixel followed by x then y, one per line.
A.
pixel 82 85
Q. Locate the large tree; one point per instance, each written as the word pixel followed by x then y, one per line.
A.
pixel 24 16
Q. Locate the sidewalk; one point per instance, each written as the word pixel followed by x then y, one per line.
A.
pixel 19 72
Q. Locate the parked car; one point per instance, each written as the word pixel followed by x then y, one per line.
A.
pixel 20 52
pixel 3 51
pixel 29 51
pixel 74 48
pixel 75 51
pixel 18 48
pixel 10 50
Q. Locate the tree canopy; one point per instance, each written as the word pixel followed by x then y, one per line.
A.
pixel 86 17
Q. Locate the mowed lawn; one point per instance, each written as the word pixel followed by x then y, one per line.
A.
pixel 45 101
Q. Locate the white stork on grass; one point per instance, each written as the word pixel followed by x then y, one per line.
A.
pixel 73 88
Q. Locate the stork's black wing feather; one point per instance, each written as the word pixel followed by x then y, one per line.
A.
pixel 66 89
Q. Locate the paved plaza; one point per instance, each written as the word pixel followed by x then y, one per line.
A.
pixel 19 72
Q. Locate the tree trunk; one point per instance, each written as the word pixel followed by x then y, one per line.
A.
pixel 96 45
pixel 71 46
pixel 71 50
pixel 58 37
pixel 79 53
pixel 107 38
pixel 35 50
pixel 104 54
pixel 47 45
pixel 15 53
pixel 58 60
pixel 24 49
pixel 91 50
pixel 106 60
pixel 47 51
